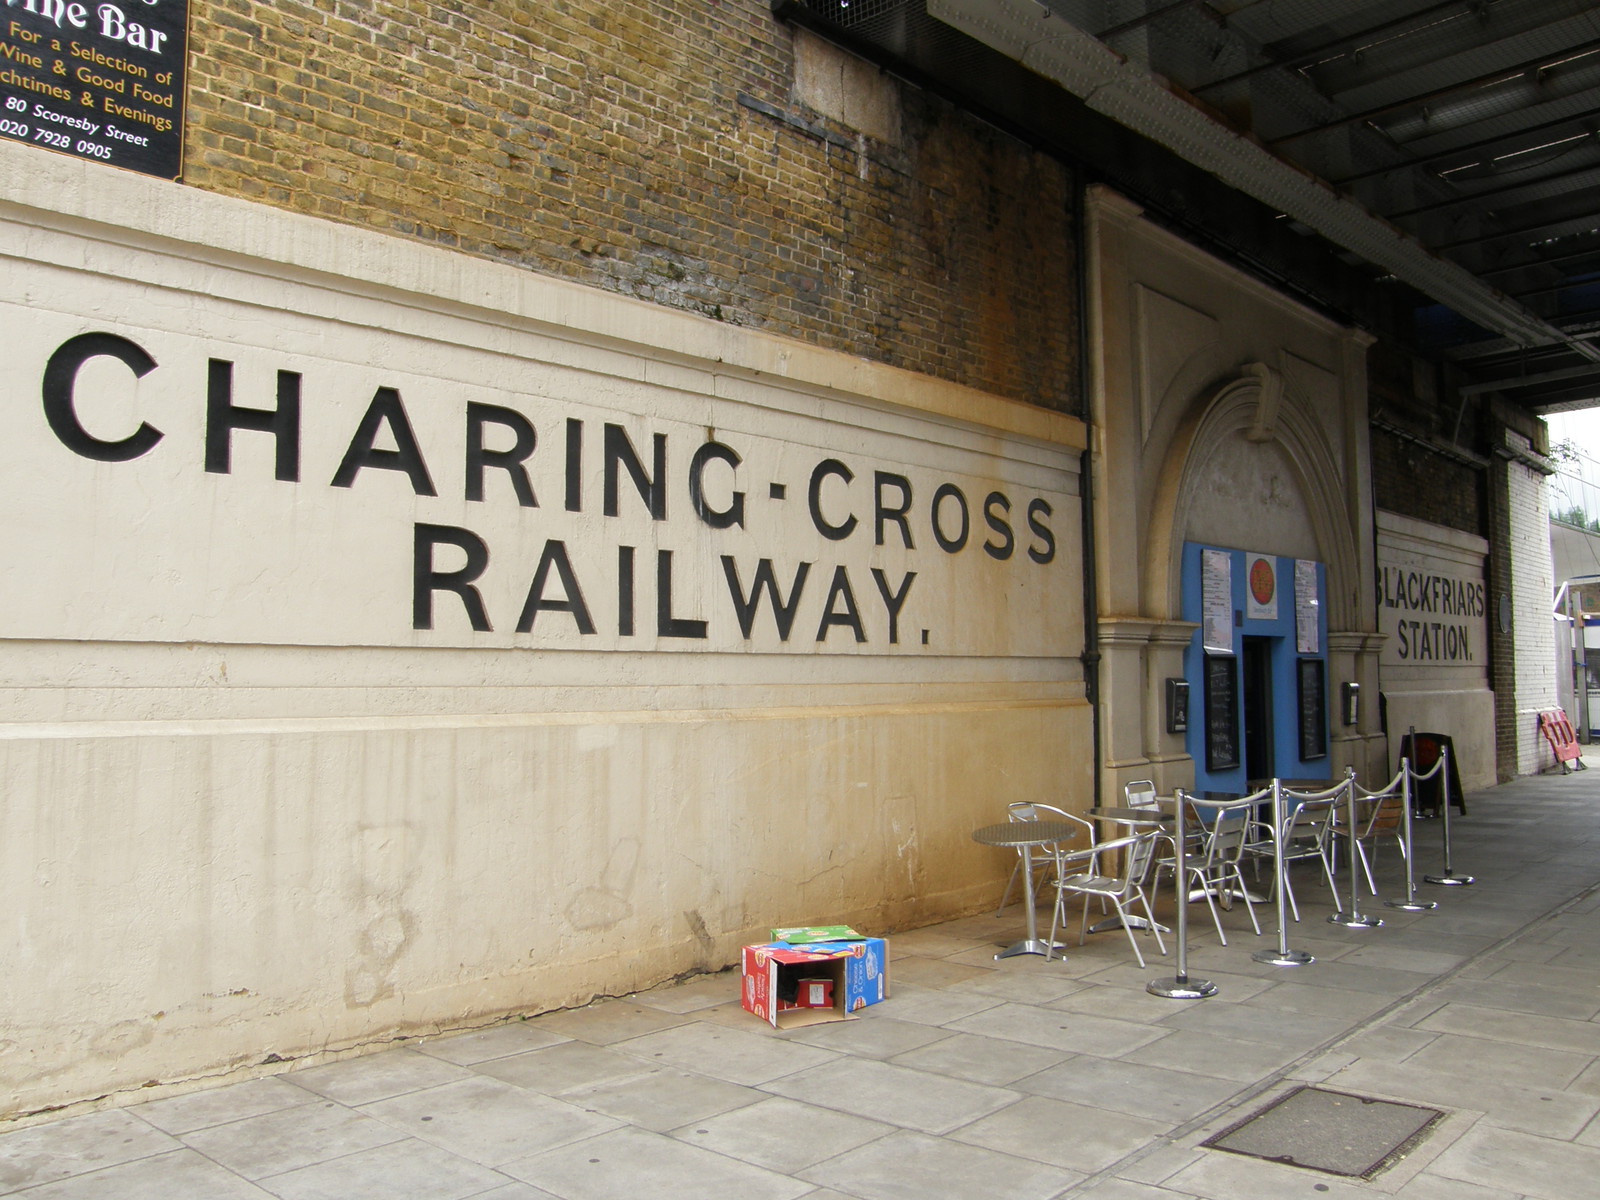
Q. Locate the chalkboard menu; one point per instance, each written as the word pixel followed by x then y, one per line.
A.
pixel 1222 713
pixel 102 81
pixel 1313 709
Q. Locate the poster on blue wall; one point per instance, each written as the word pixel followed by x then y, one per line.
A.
pixel 1261 587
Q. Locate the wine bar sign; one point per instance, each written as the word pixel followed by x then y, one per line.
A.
pixel 97 80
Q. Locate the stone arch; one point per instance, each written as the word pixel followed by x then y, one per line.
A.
pixel 1259 406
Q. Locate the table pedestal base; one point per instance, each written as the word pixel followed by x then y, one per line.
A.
pixel 1032 946
pixel 1181 987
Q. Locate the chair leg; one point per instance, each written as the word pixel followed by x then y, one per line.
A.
pixel 1083 929
pixel 1249 905
pixel 1366 867
pixel 1151 917
pixel 1005 898
pixel 1288 894
pixel 1055 922
pixel 1122 914
pixel 1327 873
pixel 1205 890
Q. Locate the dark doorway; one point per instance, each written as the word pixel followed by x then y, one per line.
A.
pixel 1258 756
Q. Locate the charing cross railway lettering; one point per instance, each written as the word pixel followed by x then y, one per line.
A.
pixel 503 444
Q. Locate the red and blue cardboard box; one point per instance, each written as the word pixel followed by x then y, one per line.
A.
pixel 858 970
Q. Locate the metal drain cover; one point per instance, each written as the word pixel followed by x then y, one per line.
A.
pixel 1329 1131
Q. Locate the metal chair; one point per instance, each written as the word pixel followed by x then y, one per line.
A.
pixel 1307 834
pixel 1044 858
pixel 1141 793
pixel 1121 890
pixel 1384 817
pixel 1215 871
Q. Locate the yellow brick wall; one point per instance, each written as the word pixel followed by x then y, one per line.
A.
pixel 653 148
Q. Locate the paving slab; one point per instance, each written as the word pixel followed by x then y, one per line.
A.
pixel 913 1166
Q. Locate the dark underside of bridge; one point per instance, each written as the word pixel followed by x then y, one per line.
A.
pixel 1427 171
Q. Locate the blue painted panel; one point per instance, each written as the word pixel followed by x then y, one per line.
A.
pixel 1285 695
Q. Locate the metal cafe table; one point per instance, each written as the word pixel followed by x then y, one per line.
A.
pixel 1025 835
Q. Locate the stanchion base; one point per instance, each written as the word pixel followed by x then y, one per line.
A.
pixel 1182 988
pixel 1412 905
pixel 1449 880
pixel 1354 920
pixel 1289 958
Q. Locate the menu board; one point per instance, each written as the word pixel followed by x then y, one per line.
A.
pixel 1216 601
pixel 1222 714
pixel 102 81
pixel 1313 708
pixel 1307 603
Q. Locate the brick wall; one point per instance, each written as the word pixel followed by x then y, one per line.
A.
pixel 1523 658
pixel 1410 479
pixel 655 150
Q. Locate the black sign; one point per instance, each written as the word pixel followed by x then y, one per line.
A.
pixel 1313 709
pixel 97 80
pixel 1222 713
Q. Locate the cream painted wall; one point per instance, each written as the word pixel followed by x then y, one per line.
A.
pixel 259 807
pixel 1226 413
pixel 1436 679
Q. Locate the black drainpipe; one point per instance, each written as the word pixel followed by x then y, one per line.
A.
pixel 1091 610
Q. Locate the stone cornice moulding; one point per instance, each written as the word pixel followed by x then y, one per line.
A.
pixel 45 190
pixel 1424 536
pixel 1154 630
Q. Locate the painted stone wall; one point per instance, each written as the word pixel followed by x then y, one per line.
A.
pixel 1434 607
pixel 395 639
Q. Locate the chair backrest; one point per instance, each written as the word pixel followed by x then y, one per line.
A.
pixel 1140 793
pixel 1136 860
pixel 1225 836
pixel 1388 812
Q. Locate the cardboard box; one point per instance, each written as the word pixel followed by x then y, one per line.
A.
pixel 858 970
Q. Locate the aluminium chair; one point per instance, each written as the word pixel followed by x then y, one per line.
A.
pixel 1215 870
pixel 1307 834
pixel 1383 816
pixel 1121 889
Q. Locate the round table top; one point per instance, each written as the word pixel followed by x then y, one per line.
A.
pixel 1025 833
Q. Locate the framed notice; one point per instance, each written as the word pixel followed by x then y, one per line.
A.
pixel 1216 601
pixel 1222 714
pixel 1310 676
pixel 102 81
pixel 1307 608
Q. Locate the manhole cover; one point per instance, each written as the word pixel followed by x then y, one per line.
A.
pixel 1329 1131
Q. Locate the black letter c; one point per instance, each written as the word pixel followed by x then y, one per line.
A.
pixel 60 376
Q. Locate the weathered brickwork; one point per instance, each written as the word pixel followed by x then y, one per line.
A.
pixel 1523 655
pixel 655 150
pixel 1415 481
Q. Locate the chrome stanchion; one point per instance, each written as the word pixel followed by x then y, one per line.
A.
pixel 1449 878
pixel 1354 919
pixel 1181 987
pixel 1410 903
pixel 1282 956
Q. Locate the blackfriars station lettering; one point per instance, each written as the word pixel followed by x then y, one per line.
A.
pixel 1427 637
